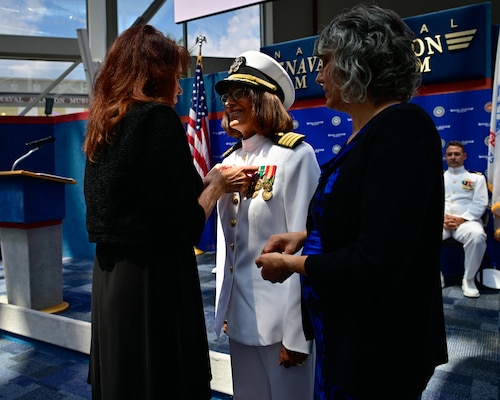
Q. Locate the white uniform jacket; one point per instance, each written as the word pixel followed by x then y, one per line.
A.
pixel 261 313
pixel 466 193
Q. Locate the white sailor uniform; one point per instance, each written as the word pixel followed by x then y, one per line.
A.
pixel 261 315
pixel 466 196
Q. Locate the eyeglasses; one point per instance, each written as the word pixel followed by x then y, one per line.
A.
pixel 236 94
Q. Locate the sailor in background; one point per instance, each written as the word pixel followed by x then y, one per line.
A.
pixel 466 200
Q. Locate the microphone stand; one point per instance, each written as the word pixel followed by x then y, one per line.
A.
pixel 38 143
pixel 23 157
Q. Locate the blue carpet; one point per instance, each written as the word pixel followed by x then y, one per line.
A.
pixel 31 370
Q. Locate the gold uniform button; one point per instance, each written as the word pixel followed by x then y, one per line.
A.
pixel 235 199
pixel 231 268
pixel 232 246
pixel 233 221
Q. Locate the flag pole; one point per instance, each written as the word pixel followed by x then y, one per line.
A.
pixel 199 41
pixel 494 147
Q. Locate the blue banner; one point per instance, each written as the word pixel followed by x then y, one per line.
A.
pixel 454 45
pixel 297 59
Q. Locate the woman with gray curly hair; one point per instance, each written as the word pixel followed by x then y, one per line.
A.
pixel 374 226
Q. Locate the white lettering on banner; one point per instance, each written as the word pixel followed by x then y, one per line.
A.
pixel 314 123
pixel 461 110
pixel 430 46
pixel 302 66
pixel 10 99
pixel 336 135
pixel 300 83
pixel 439 42
pixel 62 100
pixel 299 68
pixel 79 101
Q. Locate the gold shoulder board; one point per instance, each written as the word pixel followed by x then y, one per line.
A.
pixel 289 139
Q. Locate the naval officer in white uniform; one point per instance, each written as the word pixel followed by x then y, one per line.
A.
pixel 270 357
pixel 466 200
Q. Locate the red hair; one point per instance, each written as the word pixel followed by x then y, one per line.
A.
pixel 142 65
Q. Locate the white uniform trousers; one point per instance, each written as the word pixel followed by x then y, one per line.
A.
pixel 257 374
pixel 471 234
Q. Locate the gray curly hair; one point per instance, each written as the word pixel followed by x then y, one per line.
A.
pixel 372 55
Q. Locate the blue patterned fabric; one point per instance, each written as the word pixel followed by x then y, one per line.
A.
pixel 323 388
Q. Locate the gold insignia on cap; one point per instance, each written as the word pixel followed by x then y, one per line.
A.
pixel 237 63
pixel 253 80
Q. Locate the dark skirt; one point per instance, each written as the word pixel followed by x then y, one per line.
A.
pixel 149 336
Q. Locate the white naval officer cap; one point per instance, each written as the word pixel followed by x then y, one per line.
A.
pixel 256 69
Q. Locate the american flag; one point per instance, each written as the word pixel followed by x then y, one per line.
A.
pixel 197 129
pixel 494 148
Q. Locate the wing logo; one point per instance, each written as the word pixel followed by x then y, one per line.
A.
pixel 459 40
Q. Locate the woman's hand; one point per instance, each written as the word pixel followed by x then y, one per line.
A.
pixel 289 358
pixel 277 260
pixel 274 266
pixel 230 178
pixel 221 179
pixel 288 243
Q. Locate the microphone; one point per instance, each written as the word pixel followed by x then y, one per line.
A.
pixel 39 142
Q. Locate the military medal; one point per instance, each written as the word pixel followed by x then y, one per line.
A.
pixel 266 195
pixel 251 187
pixel 258 185
pixel 467 184
pixel 263 179
pixel 267 184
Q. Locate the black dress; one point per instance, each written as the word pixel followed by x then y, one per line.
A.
pixel 374 284
pixel 148 328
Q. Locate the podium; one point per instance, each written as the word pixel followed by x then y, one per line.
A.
pixel 32 207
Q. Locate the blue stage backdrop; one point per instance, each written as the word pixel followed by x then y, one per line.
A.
pixel 458 99
pixel 460 116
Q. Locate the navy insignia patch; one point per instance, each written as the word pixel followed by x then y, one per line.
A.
pixel 237 63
